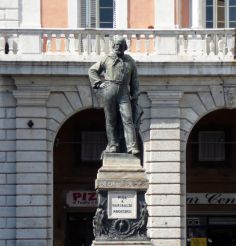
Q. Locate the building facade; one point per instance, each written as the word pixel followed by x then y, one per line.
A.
pixel 52 128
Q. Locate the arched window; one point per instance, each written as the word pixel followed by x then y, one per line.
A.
pixel 220 13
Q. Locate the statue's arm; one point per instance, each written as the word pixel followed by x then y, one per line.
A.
pixel 94 74
pixel 134 83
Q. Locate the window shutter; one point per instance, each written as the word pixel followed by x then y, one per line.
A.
pixel 83 13
pixel 93 13
pixel 88 13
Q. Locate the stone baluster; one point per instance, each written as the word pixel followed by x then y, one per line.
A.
pixel 80 44
pixel 220 46
pixel 230 45
pixel 128 41
pixel 211 46
pixel 43 42
pixel 155 43
pixel 185 44
pixel 58 39
pixel 71 43
pixel 190 49
pixel 89 43
pixel 102 44
pixel 138 43
pixel 11 43
pixel 2 45
pixel 64 38
pixel 15 38
pixel 181 45
pixel 204 46
pixel 98 46
pixel 93 44
pixel 49 43
pixel 147 44
pixel 85 45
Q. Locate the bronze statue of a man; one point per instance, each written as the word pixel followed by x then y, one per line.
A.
pixel 119 90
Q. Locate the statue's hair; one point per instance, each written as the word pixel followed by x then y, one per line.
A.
pixel 119 38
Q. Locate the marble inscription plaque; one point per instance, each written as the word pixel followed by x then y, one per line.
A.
pixel 122 204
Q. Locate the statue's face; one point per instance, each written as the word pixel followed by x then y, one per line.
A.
pixel 119 47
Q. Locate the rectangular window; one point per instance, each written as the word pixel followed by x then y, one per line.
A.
pixel 93 143
pixel 220 13
pixel 209 13
pixel 232 13
pixel 97 13
pixel 211 146
pixel 106 13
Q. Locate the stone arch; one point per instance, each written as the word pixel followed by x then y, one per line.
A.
pixel 193 107
pixel 61 105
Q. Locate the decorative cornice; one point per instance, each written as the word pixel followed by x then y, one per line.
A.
pixel 129 184
pixel 59 66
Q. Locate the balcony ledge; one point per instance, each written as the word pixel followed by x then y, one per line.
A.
pixel 80 68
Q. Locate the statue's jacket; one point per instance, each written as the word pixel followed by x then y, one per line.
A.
pixel 117 70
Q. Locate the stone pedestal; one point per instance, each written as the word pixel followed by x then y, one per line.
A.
pixel 121 217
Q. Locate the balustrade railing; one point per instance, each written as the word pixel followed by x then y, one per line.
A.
pixel 144 45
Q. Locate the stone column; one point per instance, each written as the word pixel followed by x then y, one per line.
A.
pixel 196 45
pixel 121 14
pixel 32 198
pixel 197 14
pixel 73 13
pixel 166 190
pixel 30 18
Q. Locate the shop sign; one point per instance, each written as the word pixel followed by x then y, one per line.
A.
pixel 81 198
pixel 122 205
pixel 211 198
pixel 199 241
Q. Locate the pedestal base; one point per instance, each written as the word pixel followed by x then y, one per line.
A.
pixel 121 217
pixel 121 243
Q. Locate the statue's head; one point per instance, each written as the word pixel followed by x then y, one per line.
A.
pixel 119 45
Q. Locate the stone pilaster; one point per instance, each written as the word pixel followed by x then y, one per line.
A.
pixel 197 13
pixel 32 198
pixel 165 169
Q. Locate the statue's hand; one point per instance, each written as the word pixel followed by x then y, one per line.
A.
pixel 102 85
pixel 97 85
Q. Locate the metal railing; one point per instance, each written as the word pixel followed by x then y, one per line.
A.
pixel 144 44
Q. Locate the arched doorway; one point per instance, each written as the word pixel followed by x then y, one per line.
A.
pixel 76 154
pixel 211 180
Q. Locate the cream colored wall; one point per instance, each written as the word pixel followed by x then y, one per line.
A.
pixel 53 14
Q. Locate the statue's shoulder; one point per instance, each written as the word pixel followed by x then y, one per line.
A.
pixel 129 58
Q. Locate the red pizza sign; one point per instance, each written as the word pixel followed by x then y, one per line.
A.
pixel 81 199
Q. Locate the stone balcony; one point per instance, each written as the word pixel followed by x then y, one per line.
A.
pixel 70 52
pixel 147 45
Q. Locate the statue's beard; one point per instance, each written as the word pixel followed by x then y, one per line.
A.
pixel 119 53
